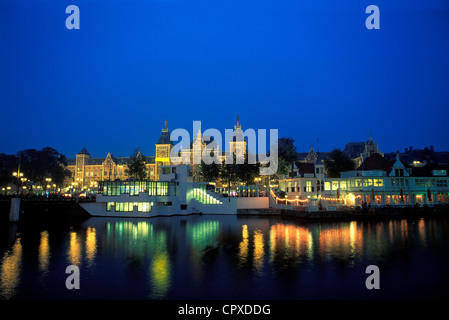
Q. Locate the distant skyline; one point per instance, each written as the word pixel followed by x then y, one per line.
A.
pixel 309 69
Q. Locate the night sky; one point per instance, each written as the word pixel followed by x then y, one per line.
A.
pixel 310 69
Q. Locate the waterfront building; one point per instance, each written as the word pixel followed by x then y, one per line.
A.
pixel 378 181
pixel 174 193
pixel 87 171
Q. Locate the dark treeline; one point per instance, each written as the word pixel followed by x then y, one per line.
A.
pixel 36 166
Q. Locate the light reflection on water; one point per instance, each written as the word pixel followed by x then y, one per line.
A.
pixel 224 257
pixel 10 270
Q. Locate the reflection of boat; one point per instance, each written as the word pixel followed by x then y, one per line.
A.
pixel 174 193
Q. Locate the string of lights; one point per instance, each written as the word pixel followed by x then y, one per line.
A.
pixel 288 200
pixel 296 200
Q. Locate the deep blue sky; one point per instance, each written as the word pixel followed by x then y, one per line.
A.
pixel 308 68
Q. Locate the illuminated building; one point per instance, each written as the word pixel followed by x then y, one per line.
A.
pixel 87 171
pixel 377 181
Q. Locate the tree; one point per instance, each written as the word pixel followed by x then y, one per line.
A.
pixel 337 162
pixel 8 165
pixel 283 167
pixel 286 151
pixel 278 162
pixel 136 167
pixel 246 172
pixel 228 172
pixel 209 172
pixel 37 165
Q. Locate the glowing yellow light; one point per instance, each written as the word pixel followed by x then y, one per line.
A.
pixel 44 252
pixel 160 275
pixel 285 199
pixel 74 251
pixel 243 246
pixel 10 270
pixel 258 250
pixel 91 244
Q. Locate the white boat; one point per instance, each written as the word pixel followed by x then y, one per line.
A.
pixel 174 194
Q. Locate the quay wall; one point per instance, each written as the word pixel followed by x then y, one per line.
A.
pixel 44 209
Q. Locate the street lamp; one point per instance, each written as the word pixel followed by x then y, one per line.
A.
pixel 18 174
pixel 23 180
pixel 47 180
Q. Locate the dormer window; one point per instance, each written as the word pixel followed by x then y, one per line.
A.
pixel 439 173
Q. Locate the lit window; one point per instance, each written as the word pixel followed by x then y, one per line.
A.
pixel 378 182
pixel 334 185
pixel 309 187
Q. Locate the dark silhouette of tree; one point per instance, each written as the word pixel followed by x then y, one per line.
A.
pixel 228 172
pixel 286 154
pixel 209 172
pixel 246 172
pixel 337 162
pixel 136 167
pixel 8 165
pixel 37 165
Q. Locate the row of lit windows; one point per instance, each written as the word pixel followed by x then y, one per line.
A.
pixel 129 206
pixel 359 183
pixel 408 199
pixel 431 183
pixel 154 188
pixel 334 185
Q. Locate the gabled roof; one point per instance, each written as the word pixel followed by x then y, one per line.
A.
pixel 305 167
pixel 376 162
pixel 321 157
pixel 84 151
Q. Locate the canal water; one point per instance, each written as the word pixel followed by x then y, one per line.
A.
pixel 225 257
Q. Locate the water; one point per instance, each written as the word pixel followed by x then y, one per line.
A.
pixel 225 257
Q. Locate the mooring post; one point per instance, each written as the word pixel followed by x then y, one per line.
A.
pixel 14 210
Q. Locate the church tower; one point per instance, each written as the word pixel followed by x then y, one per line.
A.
pixel 163 146
pixel 238 143
pixel 82 159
